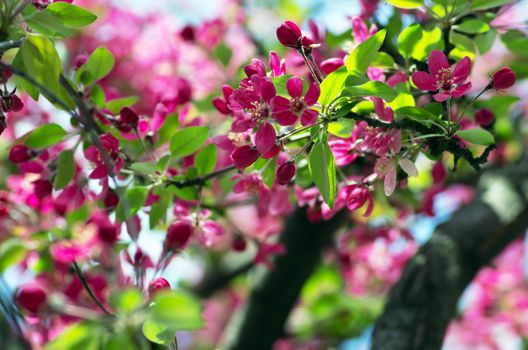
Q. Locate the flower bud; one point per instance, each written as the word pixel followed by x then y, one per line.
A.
pixel 285 173
pixel 221 105
pixel 244 156
pixel 239 244
pixel 110 199
pixel 31 297
pixel 438 172
pixel 129 117
pixel 158 284
pixel 178 235
pixel 187 33
pixel 484 117
pixel 331 64
pixel 42 188
pixel 79 61
pixel 503 79
pixel 19 154
pixel 289 34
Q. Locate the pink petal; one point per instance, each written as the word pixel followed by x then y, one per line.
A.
pixel 461 90
pixel 280 104
pixel 91 153
pixel 462 70
pixel 441 96
pixel 285 118
pixel 408 166
pixel 159 116
pixel 437 61
pixel 99 172
pixel 312 95
pixel 309 117
pixel 390 181
pixel 424 81
pixel 295 87
pixel 267 90
pixel 265 138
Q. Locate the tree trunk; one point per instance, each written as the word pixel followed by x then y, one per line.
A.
pixel 424 300
pixel 275 292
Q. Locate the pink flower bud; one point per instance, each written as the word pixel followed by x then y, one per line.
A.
pixel 79 61
pixel 331 64
pixel 289 34
pixel 158 284
pixel 503 79
pixel 42 188
pixel 485 117
pixel 221 105
pixel 110 199
pixel 244 156
pixel 129 117
pixel 19 154
pixel 187 33
pixel 31 297
pixel 178 235
pixel 438 172
pixel 239 244
pixel 285 173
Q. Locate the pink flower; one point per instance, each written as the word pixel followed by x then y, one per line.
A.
pixel 331 64
pixel 107 232
pixel 360 30
pixel 178 235
pixel 266 251
pixel 244 156
pixel 265 138
pixel 343 151
pixel 484 117
pixel 357 196
pixel 221 103
pixel 286 111
pixel 278 66
pixel 448 81
pixel 19 154
pixel 387 169
pixel 290 35
pixel 93 154
pixel 252 184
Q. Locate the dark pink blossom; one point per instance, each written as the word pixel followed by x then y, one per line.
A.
pixel 285 172
pixel 448 81
pixel 287 111
pixel 42 188
pixel 244 156
pixel 290 35
pixel 178 235
pixel 31 297
pixel 239 244
pixel 107 232
pixel 93 154
pixel 484 117
pixel 266 251
pixel 19 154
pixel 331 64
pixel 503 79
pixel 357 195
pixel 158 284
pixel 253 185
pixel 278 66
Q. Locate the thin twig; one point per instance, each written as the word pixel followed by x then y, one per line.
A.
pixel 79 274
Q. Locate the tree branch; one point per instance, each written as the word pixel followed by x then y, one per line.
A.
pixel 424 300
pixel 275 292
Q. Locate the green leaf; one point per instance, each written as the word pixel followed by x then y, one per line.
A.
pixel 404 98
pixel 132 203
pixel 406 4
pixel 147 168
pixel 45 135
pixel 485 41
pixel 408 39
pixel 516 41
pixel 205 160
pixel 431 40
pixel 127 301
pixel 322 168
pixel 65 170
pixel 223 53
pixel 12 251
pixel 40 60
pixel 383 60
pixel 477 136
pixel 120 341
pixel 187 141
pixel 72 16
pixel 464 46
pixel 473 26
pixel 98 65
pixel 158 210
pixel 116 104
pixel 372 88
pixel 158 332
pixel 417 114
pixel 80 336
pixel 477 5
pixel 332 85
pixel 359 60
pixel 46 23
pixel 179 309
pixel 341 128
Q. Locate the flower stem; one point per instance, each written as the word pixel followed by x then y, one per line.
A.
pixel 79 274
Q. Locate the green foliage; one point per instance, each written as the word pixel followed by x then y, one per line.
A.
pixel 477 136
pixel 408 39
pixel 372 88
pixel 223 53
pixel 473 26
pixel 322 168
pixel 81 336
pixel 45 135
pixel 188 140
pixel 478 5
pixel 516 41
pixel 72 16
pixel 127 302
pixel 406 4
pixel 332 85
pixel 205 160
pixel 96 67
pixel 116 104
pixel 485 41
pixel 360 59
pixel 65 170
pixel 12 251
pixel 134 199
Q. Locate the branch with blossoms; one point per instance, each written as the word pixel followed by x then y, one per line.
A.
pixel 328 129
